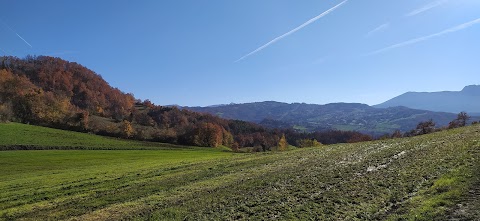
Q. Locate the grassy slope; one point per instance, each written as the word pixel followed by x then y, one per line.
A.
pixel 421 178
pixel 13 135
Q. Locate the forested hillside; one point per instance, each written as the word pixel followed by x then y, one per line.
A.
pixel 56 93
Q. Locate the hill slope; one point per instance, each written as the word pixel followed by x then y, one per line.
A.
pixel 342 116
pixel 429 177
pixel 15 136
pixel 445 101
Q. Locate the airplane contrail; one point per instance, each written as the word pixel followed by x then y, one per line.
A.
pixel 24 40
pixel 292 31
pixel 426 8
pixel 377 29
pixel 16 33
pixel 424 38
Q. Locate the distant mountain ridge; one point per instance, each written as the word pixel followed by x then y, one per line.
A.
pixel 341 116
pixel 445 101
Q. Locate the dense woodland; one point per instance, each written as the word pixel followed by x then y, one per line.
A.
pixel 56 93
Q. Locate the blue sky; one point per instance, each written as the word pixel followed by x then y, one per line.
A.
pixel 210 52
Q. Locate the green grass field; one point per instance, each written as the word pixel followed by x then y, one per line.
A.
pixel 432 177
pixel 34 137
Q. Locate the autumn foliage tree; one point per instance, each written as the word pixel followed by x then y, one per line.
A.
pixel 227 139
pixel 127 129
pixel 208 135
pixel 282 143
pixel 308 143
pixel 6 113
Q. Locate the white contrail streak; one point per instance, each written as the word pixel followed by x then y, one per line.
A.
pixel 426 8
pixel 24 40
pixel 292 31
pixel 58 53
pixel 377 29
pixel 417 40
pixel 16 34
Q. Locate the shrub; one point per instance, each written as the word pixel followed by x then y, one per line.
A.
pixel 308 143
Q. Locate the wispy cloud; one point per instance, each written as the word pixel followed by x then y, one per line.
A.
pixel 292 31
pixel 3 51
pixel 426 7
pixel 16 34
pixel 377 29
pixel 59 53
pixel 417 40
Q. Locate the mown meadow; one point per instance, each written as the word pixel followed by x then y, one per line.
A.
pixel 87 177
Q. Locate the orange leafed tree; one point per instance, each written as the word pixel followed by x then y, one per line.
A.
pixel 282 143
pixel 127 129
pixel 208 135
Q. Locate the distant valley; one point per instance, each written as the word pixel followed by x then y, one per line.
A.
pixel 339 116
